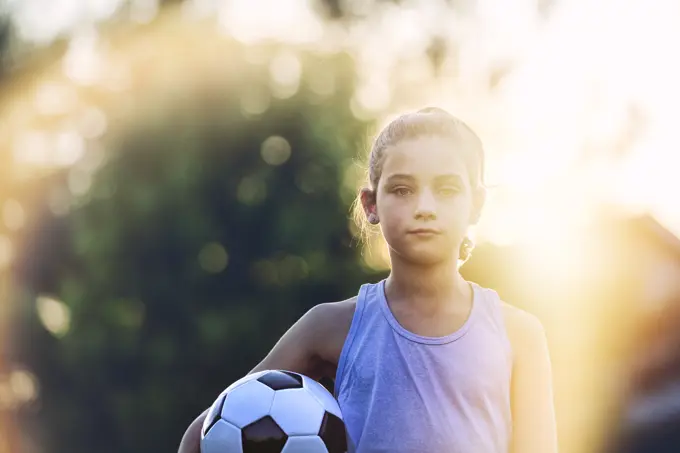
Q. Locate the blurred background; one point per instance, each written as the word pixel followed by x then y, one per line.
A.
pixel 176 180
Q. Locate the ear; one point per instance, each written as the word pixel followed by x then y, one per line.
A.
pixel 368 203
pixel 478 200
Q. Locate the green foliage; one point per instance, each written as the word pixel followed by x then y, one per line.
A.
pixel 5 43
pixel 190 255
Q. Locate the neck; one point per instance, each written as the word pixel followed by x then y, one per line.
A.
pixel 426 287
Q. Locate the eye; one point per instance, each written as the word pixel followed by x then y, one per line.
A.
pixel 402 191
pixel 448 191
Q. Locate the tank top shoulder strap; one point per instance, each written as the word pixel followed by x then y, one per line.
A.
pixel 363 304
pixel 492 309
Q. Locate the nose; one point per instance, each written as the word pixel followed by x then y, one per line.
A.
pixel 427 207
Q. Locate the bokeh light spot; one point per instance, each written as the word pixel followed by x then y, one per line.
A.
pixel 13 215
pixel 59 201
pixel 292 268
pixel 32 147
pixel 83 62
pixel 285 70
pixel 70 147
pixel 54 315
pixel 24 386
pixel 130 313
pixel 255 100
pixel 373 97
pixel 311 179
pixel 53 99
pixel 251 190
pixel 275 150
pixel 213 258
pixel 79 181
pixel 92 123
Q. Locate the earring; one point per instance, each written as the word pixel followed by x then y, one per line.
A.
pixel 466 248
pixel 372 219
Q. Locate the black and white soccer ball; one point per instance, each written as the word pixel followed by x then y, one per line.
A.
pixel 274 411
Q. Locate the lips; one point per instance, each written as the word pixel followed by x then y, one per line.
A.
pixel 425 231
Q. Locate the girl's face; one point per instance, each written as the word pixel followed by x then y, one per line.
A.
pixel 424 200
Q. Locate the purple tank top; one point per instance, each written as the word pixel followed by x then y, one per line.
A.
pixel 405 393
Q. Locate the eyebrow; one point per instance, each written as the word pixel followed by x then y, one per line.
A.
pixel 399 177
pixel 450 177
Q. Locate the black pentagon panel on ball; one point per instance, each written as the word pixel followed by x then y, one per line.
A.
pixel 263 436
pixel 295 376
pixel 281 380
pixel 333 433
pixel 214 414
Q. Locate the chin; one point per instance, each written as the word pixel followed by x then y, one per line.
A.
pixel 430 257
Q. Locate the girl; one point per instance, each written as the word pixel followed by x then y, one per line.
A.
pixel 424 361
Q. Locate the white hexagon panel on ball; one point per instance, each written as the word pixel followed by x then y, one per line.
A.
pixel 297 412
pixel 247 403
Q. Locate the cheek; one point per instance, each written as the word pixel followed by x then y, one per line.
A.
pixel 391 209
pixel 456 215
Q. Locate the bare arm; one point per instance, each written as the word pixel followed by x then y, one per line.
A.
pixel 534 426
pixel 305 346
pixel 191 441
pixel 302 349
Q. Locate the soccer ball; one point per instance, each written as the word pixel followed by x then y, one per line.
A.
pixel 274 411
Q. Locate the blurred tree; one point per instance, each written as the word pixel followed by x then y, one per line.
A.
pixel 5 30
pixel 218 219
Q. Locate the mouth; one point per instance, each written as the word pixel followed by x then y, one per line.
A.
pixel 425 231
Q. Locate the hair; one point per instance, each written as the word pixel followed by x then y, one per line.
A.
pixel 429 121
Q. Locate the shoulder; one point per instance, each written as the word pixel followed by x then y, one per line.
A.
pixel 329 324
pixel 519 324
pixel 525 331
pixel 519 319
pixel 328 313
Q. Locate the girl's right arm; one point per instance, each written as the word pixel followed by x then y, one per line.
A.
pixel 301 349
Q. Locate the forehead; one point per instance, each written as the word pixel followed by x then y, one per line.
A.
pixel 426 157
